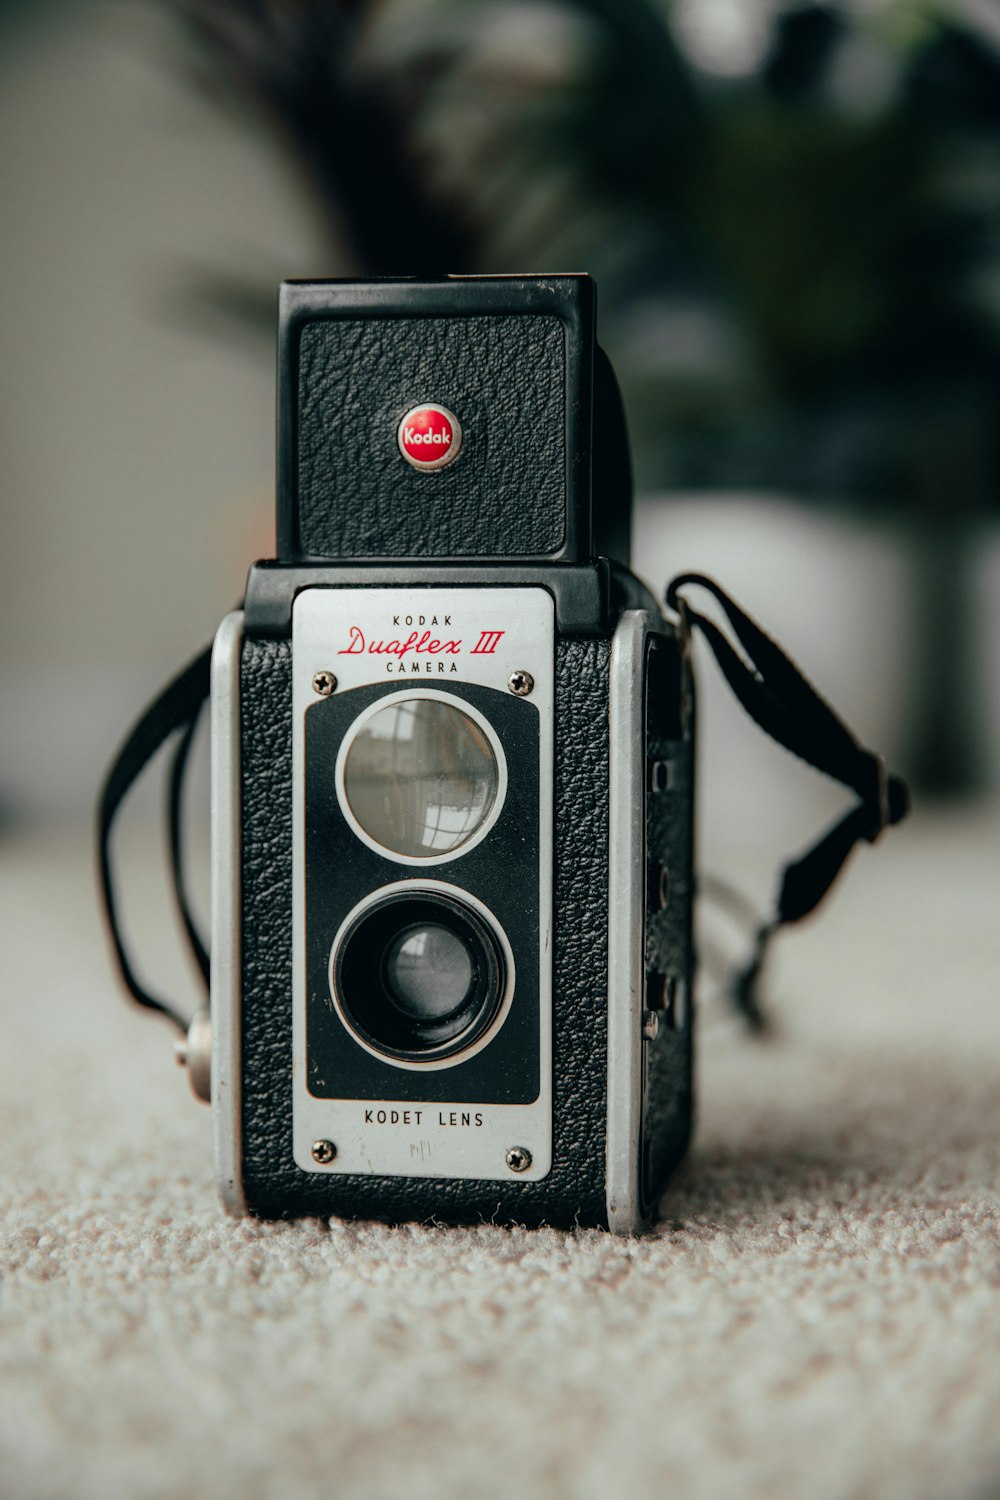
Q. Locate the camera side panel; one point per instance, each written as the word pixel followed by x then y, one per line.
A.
pixel 668 950
pixel 273 1185
pixel 650 957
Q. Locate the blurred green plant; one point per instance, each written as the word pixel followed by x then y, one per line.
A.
pixel 796 234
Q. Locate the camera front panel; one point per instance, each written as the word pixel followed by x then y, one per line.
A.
pixel 422 755
pixel 252 986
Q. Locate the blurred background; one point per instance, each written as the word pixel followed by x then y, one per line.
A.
pixel 793 215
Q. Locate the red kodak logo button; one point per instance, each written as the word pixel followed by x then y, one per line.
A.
pixel 429 437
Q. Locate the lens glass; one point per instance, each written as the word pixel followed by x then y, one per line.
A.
pixel 420 777
pixel 428 972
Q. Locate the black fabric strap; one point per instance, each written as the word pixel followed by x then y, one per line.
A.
pixel 177 707
pixel 175 824
pixel 770 687
pixel 784 703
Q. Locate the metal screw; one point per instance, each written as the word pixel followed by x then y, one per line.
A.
pixel 518 1158
pixel 324 684
pixel 323 1152
pixel 520 684
pixel 650 1025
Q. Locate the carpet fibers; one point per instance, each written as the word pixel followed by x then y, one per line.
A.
pixel 818 1313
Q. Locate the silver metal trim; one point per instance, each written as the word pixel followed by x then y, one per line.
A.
pixel 626 920
pixel 321 619
pixel 194 1053
pixel 421 861
pixel 226 988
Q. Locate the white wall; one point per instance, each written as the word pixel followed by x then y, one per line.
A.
pixel 136 450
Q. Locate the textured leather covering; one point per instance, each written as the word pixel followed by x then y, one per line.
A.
pixel 574 1191
pixel 505 494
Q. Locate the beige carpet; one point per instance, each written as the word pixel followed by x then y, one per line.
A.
pixel 818 1316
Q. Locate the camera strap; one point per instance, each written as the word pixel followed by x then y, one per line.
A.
pixel 770 687
pixel 780 699
pixel 177 708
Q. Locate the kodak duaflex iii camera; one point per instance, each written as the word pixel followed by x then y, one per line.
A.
pixel 451 962
pixel 452 782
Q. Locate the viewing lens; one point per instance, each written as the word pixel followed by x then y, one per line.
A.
pixel 418 974
pixel 420 777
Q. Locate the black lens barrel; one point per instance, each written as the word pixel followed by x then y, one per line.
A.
pixel 419 975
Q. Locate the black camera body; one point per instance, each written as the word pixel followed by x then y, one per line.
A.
pixel 452 799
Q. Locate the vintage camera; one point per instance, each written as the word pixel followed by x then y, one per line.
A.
pixel 452 782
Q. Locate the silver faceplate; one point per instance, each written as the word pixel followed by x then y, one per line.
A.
pixel 514 630
pixel 626 919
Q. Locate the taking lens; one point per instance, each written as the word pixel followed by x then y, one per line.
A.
pixel 418 975
pixel 420 777
pixel 428 972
